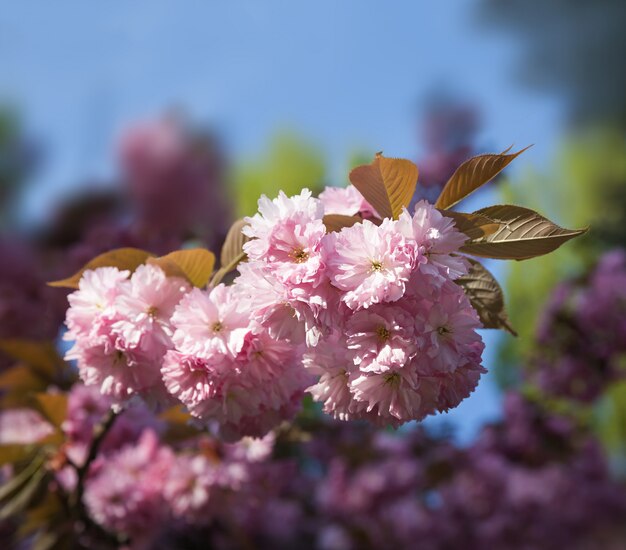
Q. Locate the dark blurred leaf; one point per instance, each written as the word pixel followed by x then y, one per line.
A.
pixel 50 540
pixel 522 234
pixel 178 425
pixel 388 184
pixel 53 406
pixel 472 174
pixel 486 297
pixel 45 514
pixel 42 356
pixel 336 222
pixel 21 379
pixel 15 452
pixel 122 258
pixel 195 265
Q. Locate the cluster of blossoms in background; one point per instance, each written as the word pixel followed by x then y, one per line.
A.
pixel 533 480
pixel 582 333
pixel 368 319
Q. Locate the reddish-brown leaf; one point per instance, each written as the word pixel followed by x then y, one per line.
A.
pixel 472 174
pixel 387 184
pixel 522 234
pixel 122 258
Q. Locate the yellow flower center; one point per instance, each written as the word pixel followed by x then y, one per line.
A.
pixel 393 378
pixel 383 333
pixel 299 255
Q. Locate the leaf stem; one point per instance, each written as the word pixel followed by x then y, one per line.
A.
pixel 223 271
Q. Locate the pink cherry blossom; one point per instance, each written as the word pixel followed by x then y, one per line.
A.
pixel 370 264
pixel 92 304
pixel 393 396
pixel 437 237
pixel 346 201
pixel 209 322
pixel 188 487
pixel 332 362
pixel 125 494
pixel 381 337
pixel 117 370
pixel 146 306
pixel 23 426
pixel 450 328
pixel 286 237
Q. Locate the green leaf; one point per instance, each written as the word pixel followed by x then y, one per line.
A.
pixel 15 483
pixel 486 297
pixel 232 249
pixel 474 226
pixel 523 234
pixel 387 184
pixel 22 498
pixel 472 174
pixel 122 258
pixel 336 222
pixel 195 265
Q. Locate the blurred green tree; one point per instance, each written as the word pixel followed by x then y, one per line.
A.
pixel 290 164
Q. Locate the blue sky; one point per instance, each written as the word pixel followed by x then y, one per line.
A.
pixel 347 74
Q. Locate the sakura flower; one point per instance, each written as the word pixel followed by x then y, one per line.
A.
pixel 188 486
pixel 126 494
pixel 346 201
pixel 146 306
pixel 273 305
pixel 381 337
pixel 245 395
pixel 450 327
pixel 209 322
pixel 93 302
pixel 436 235
pixel 394 397
pixel 118 371
pixel 333 364
pixel 460 384
pixel 261 226
pixel 23 426
pixel 286 235
pixel 191 379
pixel 370 264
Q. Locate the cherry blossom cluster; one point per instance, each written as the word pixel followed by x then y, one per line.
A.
pixel 391 337
pixel 154 337
pixel 347 486
pixel 368 319
pixel 121 326
pixel 581 335
pixel 227 368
